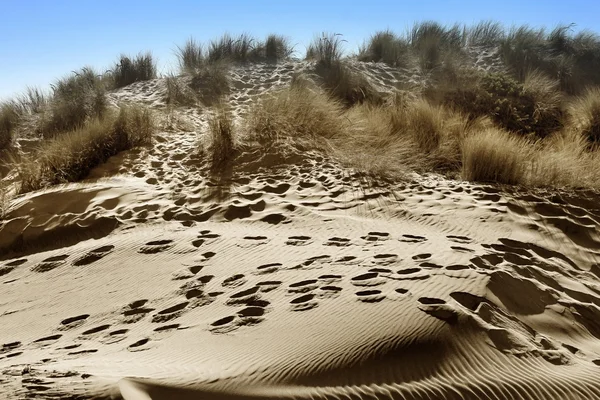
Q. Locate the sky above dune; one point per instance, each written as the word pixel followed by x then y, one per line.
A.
pixel 45 40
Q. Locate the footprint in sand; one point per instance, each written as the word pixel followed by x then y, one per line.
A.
pixel 303 286
pixel 304 302
pixel 251 315
pixel 298 241
pixel 73 322
pixel 421 257
pixel 244 297
pixel 412 239
pixel 268 268
pixel 224 325
pixel 329 291
pixel 253 241
pixel 439 309
pixel 370 296
pixel 50 263
pixel 459 239
pixel 10 266
pixel 368 279
pixel 376 237
pixel 8 347
pixel 234 281
pixel 268 286
pixel 135 311
pixel 170 313
pixel 330 278
pixel 314 262
pixel 94 255
pixel 95 330
pixel 385 259
pixel 115 336
pixel 47 340
pixel 140 345
pixel 156 246
pixel 205 237
pixel 338 242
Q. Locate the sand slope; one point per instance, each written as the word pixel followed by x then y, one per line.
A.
pixel 152 280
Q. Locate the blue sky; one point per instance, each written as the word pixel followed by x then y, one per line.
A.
pixel 45 40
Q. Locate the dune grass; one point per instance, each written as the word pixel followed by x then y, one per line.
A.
pixel 129 70
pixel 9 118
pixel 229 49
pixel 387 47
pixel 75 100
pixel 585 116
pixel 190 57
pixel 71 156
pixel 211 83
pixel 221 145
pixel 326 49
pixel 178 93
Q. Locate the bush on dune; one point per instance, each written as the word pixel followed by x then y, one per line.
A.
pixel 222 146
pixel 211 83
pixel 585 116
pixel 71 156
pixel 75 100
pixel 386 47
pixel 129 70
pixel 9 118
pixel 190 57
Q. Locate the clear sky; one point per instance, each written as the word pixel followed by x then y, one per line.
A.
pixel 44 40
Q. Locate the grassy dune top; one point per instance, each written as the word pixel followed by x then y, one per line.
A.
pixel 533 119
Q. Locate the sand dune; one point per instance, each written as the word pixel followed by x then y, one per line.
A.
pixel 151 280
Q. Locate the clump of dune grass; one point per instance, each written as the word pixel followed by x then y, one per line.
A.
pixel 326 49
pixel 430 41
pixel 485 33
pixel 386 47
pixel 71 156
pixel 585 116
pixel 277 48
pixel 33 101
pixel 75 100
pixel 9 119
pixel 295 115
pixel 129 70
pixel 211 83
pixel 496 156
pixel 221 133
pixel 178 93
pixel 230 49
pixel 348 86
pixel 190 57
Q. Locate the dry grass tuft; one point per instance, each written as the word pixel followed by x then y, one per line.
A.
pixel 585 116
pixel 494 155
pixel 348 86
pixel 129 70
pixel 75 100
pixel 222 147
pixel 211 83
pixel 72 155
pixel 386 47
pixel 9 118
pixel 326 49
pixel 190 57
pixel 296 114
pixel 178 93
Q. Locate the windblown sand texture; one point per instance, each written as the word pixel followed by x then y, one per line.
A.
pixel 151 280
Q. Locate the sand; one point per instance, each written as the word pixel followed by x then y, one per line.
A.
pixel 151 280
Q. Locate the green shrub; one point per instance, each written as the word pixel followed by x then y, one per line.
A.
pixel 128 70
